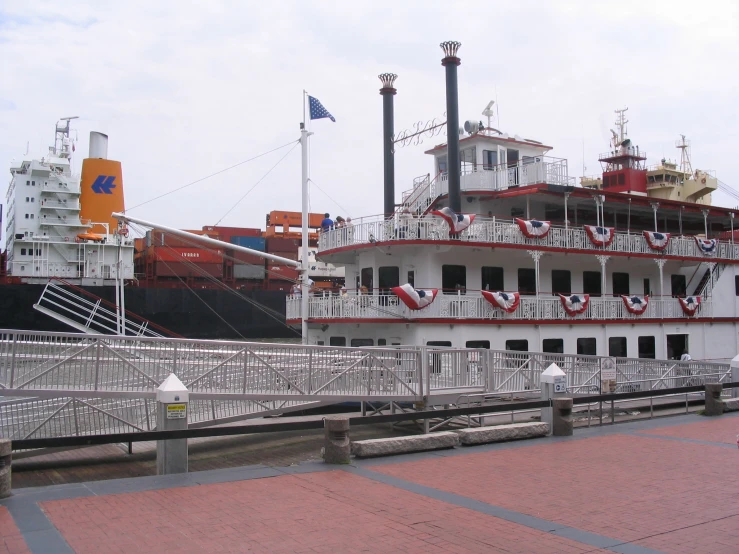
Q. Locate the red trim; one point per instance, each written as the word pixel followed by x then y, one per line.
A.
pixel 457 321
pixel 522 247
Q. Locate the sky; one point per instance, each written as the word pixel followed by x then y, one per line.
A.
pixel 187 89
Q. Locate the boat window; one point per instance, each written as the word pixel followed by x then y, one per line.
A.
pixel 526 281
pixel 387 278
pixel 517 345
pixel 337 341
pixel 23 251
pixel 439 343
pixel 553 346
pixel 621 178
pixel 647 288
pixel 736 285
pixel 477 344
pixel 468 157
pixel 617 347
pixel 492 278
pixel 412 278
pixel 26 216
pixel 442 164
pixel 319 342
pixel 587 346
pixel 591 283
pixel 362 342
pixel 454 279
pixel 489 159
pixel 561 282
pixel 647 348
pixel 381 342
pixel 679 287
pixel 366 278
pixel 621 284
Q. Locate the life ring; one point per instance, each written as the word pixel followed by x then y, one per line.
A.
pixel 703 181
pixel 66 239
pixel 123 231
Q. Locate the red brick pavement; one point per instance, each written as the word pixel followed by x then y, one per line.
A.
pixel 621 486
pixel 319 512
pixel 714 430
pixel 11 540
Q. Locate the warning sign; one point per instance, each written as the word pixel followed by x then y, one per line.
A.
pixel 176 411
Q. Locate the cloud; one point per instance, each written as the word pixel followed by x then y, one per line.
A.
pixel 185 90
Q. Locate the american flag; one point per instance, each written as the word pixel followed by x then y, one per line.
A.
pixel 317 111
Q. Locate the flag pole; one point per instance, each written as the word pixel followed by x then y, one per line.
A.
pixel 305 288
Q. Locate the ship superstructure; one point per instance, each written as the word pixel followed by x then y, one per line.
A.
pixel 506 252
pixel 56 225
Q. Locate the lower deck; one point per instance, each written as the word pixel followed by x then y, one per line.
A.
pixel 718 341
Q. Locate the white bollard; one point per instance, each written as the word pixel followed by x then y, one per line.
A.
pixel 553 385
pixel 172 403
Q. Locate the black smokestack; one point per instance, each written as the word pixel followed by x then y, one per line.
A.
pixel 388 130
pixel 450 62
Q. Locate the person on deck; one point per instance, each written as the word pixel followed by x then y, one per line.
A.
pixel 327 223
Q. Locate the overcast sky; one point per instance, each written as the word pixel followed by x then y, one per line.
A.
pixel 185 89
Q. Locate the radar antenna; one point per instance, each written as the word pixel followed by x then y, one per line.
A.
pixel 61 137
pixel 489 113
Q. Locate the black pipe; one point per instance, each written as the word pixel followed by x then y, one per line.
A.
pixel 388 130
pixel 450 62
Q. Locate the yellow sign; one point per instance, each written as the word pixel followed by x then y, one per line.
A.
pixel 176 411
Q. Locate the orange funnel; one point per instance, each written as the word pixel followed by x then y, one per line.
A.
pixel 101 190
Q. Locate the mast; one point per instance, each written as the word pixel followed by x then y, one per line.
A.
pixel 304 288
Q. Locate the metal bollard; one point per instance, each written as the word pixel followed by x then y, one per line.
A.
pixel 562 417
pixel 336 444
pixel 714 404
pixel 6 447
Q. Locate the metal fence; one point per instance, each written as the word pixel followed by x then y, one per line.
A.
pixel 57 384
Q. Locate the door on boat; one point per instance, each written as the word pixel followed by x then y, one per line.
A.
pixel 676 346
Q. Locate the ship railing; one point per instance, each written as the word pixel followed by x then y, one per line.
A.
pixel 505 231
pixel 472 305
pixel 520 372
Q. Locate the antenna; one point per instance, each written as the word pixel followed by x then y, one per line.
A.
pixel 497 107
pixel 488 112
pixel 621 122
pixel 684 147
pixel 61 137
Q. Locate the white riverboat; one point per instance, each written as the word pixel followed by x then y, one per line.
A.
pixel 498 247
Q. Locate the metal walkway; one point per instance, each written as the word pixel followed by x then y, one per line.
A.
pixel 56 384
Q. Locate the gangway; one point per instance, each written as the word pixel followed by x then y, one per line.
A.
pixel 88 313
pixel 61 384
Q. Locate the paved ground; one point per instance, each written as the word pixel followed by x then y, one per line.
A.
pixel 666 485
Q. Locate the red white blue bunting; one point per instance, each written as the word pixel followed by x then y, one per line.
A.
pixel 707 246
pixel 415 299
pixel 690 304
pixel 636 305
pixel 533 229
pixel 600 236
pixel 575 304
pixel 457 222
pixel 506 301
pixel 657 241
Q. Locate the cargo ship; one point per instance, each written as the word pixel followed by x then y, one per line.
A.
pixel 59 230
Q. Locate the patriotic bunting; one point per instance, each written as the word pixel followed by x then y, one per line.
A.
pixel 575 304
pixel 636 305
pixel 533 229
pixel 457 222
pixel 690 304
pixel 657 241
pixel 707 246
pixel 506 301
pixel 600 236
pixel 415 299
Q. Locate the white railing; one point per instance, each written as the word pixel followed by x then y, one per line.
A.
pixel 57 384
pixel 472 305
pixel 505 231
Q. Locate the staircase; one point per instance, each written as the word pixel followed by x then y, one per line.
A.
pixel 703 288
pixel 421 196
pixel 91 314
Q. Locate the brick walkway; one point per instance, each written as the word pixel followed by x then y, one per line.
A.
pixel 661 486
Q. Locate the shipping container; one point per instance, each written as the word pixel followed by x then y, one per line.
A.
pixel 156 237
pixel 255 243
pixel 245 271
pixel 241 257
pixel 227 232
pixel 289 255
pixel 278 284
pixel 276 244
pixel 186 270
pixel 293 219
pixel 279 271
pixel 196 255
